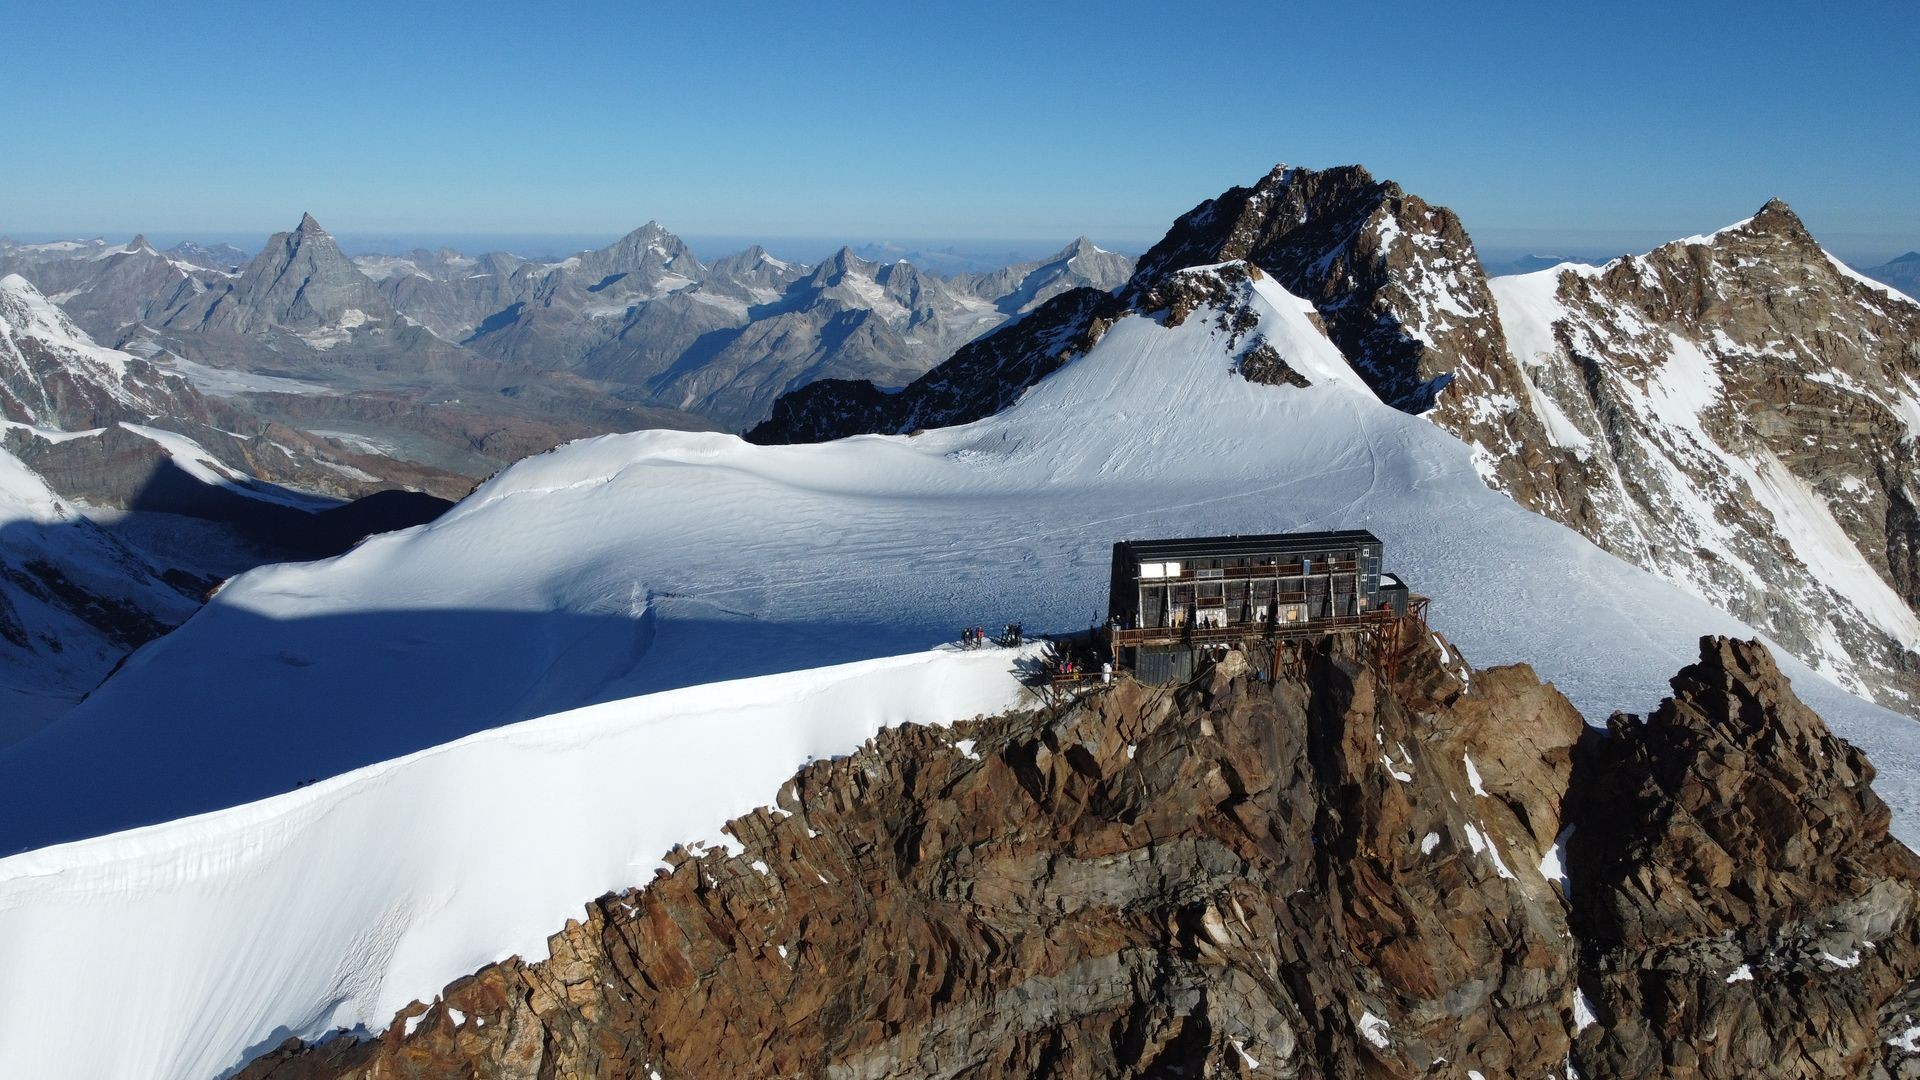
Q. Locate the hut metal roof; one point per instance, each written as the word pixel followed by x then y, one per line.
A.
pixel 1206 547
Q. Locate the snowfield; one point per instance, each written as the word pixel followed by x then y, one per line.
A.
pixel 640 563
pixel 208 941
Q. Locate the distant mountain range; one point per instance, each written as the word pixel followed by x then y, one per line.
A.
pixel 720 341
pixel 1901 272
pixel 638 333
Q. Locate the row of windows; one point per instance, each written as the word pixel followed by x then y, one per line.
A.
pixel 1258 587
pixel 1207 568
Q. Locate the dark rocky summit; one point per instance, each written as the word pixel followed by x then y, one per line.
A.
pixel 300 282
pixel 1340 876
pixel 1395 282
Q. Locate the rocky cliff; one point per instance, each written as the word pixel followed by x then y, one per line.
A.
pixel 1439 873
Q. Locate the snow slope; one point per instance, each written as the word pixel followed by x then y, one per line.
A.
pixel 69 594
pixel 633 563
pixel 207 941
pixel 664 559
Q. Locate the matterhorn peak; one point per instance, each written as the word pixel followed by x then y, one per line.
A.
pixel 309 226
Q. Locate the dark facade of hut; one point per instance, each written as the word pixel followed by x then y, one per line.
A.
pixel 1171 599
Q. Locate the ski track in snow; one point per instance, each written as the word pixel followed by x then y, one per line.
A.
pixel 339 902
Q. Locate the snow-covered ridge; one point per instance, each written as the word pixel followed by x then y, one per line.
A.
pixel 1877 286
pixel 336 904
pixel 25 312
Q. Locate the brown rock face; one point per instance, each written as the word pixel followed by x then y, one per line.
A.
pixel 1146 883
pixel 1741 908
pixel 1718 404
pixel 1343 876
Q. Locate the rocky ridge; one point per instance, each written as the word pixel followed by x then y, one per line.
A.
pixel 1736 413
pixel 1342 876
pixel 106 290
pixel 1395 281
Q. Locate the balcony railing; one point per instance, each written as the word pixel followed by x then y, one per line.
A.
pixel 1199 635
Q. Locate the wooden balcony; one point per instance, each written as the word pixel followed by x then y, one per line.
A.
pixel 1206 635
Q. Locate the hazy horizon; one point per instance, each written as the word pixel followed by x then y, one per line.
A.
pixel 1607 127
pixel 1498 247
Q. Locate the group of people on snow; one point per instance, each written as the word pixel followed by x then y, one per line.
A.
pixel 972 637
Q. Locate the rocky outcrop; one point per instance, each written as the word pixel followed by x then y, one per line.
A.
pixel 1740 907
pixel 1395 280
pixel 1343 876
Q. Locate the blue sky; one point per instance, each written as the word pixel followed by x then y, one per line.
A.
pixel 1545 126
